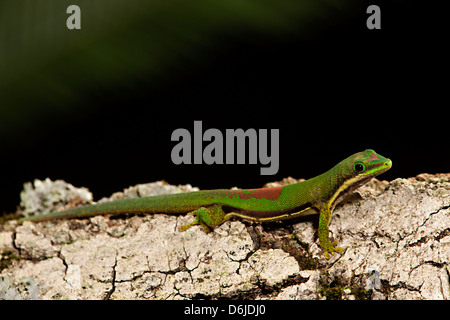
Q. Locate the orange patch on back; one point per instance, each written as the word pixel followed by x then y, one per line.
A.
pixel 262 193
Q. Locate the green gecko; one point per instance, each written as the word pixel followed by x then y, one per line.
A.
pixel 213 207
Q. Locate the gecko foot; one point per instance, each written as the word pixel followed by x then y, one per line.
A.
pixel 204 217
pixel 206 228
pixel 330 248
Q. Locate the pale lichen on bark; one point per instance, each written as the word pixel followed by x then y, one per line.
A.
pixel 396 237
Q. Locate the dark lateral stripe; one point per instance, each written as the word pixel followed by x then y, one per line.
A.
pixel 266 214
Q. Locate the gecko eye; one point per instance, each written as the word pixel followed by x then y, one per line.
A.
pixel 359 167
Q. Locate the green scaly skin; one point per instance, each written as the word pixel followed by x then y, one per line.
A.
pixel 213 207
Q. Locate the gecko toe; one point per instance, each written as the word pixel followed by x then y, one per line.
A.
pixel 330 249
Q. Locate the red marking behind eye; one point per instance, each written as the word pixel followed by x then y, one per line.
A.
pixel 263 193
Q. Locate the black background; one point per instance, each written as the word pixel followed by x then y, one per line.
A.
pixel 339 90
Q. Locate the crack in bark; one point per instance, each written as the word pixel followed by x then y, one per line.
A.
pixel 403 285
pixel 433 213
pixel 113 280
pixel 426 238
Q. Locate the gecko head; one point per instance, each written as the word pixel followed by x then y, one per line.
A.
pixel 365 165
pixel 357 170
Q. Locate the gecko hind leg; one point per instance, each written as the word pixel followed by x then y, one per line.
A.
pixel 208 218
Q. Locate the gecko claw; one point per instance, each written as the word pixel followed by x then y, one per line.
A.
pixel 331 248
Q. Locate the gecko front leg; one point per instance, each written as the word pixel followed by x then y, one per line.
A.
pixel 327 246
